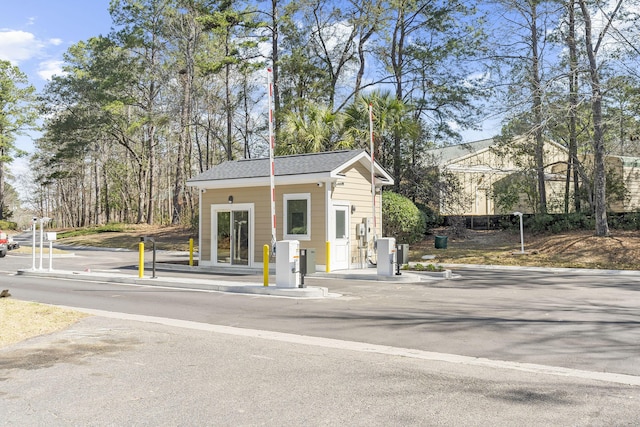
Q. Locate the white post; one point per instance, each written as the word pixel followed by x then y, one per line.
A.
pixel 41 239
pixel 33 242
pixel 521 232
pixel 50 255
pixel 42 221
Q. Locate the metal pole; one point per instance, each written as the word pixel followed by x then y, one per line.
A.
pixel 328 251
pixel 521 236
pixel 191 252
pixel 272 168
pixel 265 265
pixel 153 243
pixel 521 232
pixel 33 244
pixel 141 258
pixel 373 174
pixel 50 255
pixel 41 240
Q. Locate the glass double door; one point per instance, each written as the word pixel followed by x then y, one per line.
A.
pixel 233 234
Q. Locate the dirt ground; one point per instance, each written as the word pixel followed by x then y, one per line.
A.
pixel 579 249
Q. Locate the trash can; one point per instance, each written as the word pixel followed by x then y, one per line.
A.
pixel 402 254
pixel 441 242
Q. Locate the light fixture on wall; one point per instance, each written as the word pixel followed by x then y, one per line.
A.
pixel 230 199
pixel 353 209
pixel 319 184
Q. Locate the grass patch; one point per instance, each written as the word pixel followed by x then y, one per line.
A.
pixel 128 237
pixel 107 228
pixel 22 320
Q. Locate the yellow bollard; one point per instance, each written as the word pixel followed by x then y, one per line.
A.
pixel 191 252
pixel 328 263
pixel 141 260
pixel 265 264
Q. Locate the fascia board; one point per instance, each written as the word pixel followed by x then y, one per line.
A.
pixel 260 181
pixel 365 159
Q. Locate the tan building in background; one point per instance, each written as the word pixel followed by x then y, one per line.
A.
pixel 479 165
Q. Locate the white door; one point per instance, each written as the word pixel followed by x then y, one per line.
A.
pixel 340 249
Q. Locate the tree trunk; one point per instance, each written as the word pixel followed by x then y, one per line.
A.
pixel 397 61
pixel 602 226
pixel 2 198
pixel 184 140
pixel 537 111
pixel 151 173
pixel 572 164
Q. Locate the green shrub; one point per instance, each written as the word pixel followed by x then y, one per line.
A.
pixel 8 225
pixel 431 217
pixel 401 218
pixel 625 221
pixel 428 267
pixel 557 223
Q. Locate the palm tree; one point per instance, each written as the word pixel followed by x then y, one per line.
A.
pixel 392 123
pixel 315 129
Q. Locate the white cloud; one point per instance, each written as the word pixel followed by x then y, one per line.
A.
pixel 48 69
pixel 55 42
pixel 17 46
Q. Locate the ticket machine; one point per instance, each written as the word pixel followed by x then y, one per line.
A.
pixel 288 263
pixel 386 256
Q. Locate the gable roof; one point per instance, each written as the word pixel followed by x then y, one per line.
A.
pixel 296 168
pixel 458 151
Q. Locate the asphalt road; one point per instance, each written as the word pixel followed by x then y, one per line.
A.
pixel 554 348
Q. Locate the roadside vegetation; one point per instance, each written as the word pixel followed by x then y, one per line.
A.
pixel 21 320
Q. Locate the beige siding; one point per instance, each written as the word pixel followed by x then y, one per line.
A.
pixel 357 190
pixel 318 217
pixel 479 172
pixel 631 173
pixel 260 197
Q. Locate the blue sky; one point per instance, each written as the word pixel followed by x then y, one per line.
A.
pixel 35 33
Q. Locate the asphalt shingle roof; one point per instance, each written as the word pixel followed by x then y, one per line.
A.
pixel 298 164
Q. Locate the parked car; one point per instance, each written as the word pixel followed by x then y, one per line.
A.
pixel 8 242
pixel 3 250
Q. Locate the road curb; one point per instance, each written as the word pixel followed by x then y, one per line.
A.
pixel 184 283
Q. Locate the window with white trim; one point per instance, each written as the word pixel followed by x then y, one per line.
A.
pixel 297 216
